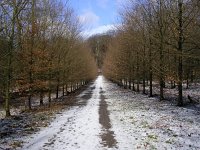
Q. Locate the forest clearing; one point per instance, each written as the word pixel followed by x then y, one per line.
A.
pixel 72 78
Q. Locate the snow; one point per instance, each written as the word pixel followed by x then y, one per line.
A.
pixel 18 108
pixel 140 122
pixel 77 128
pixel 137 122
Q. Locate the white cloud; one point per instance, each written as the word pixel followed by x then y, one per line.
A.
pixel 89 18
pixel 98 30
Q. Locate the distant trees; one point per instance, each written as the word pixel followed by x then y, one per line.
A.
pixel 158 40
pixel 99 45
pixel 41 50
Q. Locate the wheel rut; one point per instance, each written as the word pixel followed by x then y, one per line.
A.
pixel 107 136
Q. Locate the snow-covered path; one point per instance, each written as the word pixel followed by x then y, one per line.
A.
pixel 76 128
pixel 109 117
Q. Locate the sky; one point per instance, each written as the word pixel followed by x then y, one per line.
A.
pixel 97 16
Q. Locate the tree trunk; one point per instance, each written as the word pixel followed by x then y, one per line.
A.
pixel 150 84
pixel 172 84
pixel 137 73
pixel 41 99
pixel 57 88
pixel 125 84
pixel 63 90
pixel 71 87
pixel 66 89
pixel 7 100
pixel 161 72
pixel 133 88
pixel 9 62
pixel 150 55
pixel 8 81
pixel 138 86
pixel 29 102
pixel 161 89
pixel 180 49
pixel 31 54
pixel 129 83
pixel 49 97
pixel 143 84
pixel 144 66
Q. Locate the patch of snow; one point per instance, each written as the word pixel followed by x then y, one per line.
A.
pixel 140 122
pixel 77 128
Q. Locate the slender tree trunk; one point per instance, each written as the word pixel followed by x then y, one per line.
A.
pixel 187 86
pixel 161 75
pixel 143 91
pixel 121 83
pixel 49 81
pixel 41 99
pixel 137 73
pixel 66 89
pixel 144 75
pixel 133 88
pixel 129 83
pixel 180 49
pixel 8 80
pixel 57 87
pixel 150 84
pixel 58 77
pixel 63 90
pixel 8 77
pixel 150 55
pixel 125 83
pixel 71 87
pixel 49 86
pixel 9 62
pixel 172 84
pixel 161 72
pixel 144 64
pixel 49 97
pixel 29 100
pixel 31 55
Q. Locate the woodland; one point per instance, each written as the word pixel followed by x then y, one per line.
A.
pixel 43 52
pixel 157 45
pixel 136 86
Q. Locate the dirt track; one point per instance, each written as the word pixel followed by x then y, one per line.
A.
pixel 108 139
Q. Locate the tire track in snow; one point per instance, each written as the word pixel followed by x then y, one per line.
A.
pixel 107 136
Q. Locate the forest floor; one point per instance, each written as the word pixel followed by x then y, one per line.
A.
pixel 105 116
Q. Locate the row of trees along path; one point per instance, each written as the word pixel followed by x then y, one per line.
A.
pixel 41 50
pixel 157 41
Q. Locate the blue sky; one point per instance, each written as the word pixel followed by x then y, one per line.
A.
pixel 97 16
